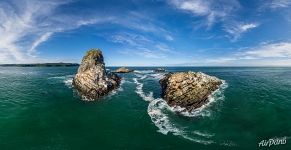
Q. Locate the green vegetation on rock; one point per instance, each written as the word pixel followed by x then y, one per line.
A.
pixel 92 53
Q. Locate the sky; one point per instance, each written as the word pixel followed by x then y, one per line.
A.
pixel 147 32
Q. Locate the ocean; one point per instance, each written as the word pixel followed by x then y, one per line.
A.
pixel 40 110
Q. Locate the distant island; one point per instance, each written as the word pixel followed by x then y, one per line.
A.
pixel 41 65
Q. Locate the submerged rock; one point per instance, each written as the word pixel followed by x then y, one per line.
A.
pixel 92 81
pixel 160 70
pixel 188 90
pixel 123 70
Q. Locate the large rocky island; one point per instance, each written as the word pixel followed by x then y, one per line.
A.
pixel 92 81
pixel 189 90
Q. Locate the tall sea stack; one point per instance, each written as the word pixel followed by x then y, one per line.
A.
pixel 92 81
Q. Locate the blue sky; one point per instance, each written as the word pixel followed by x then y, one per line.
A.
pixel 148 32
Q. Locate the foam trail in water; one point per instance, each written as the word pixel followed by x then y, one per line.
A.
pixel 69 82
pixel 157 109
pixel 139 91
pixel 119 89
pixel 143 71
pixel 157 75
pixel 203 134
pixel 67 79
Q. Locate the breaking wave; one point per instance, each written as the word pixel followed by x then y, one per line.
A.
pixel 67 80
pixel 143 71
pixel 119 89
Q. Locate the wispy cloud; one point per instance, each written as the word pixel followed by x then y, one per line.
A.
pixel 147 53
pixel 214 11
pixel 236 29
pixel 276 4
pixel 130 39
pixel 221 11
pixel 144 23
pixel 266 54
pixel 269 50
pixel 26 24
pixel 140 45
pixel 17 22
pixel 38 41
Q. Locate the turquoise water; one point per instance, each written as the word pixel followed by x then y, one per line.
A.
pixel 39 110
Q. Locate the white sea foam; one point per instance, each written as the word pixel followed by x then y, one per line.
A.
pixel 143 77
pixel 67 79
pixel 143 71
pixel 159 118
pixel 203 134
pixel 62 77
pixel 147 97
pixel 119 89
pixel 69 82
pixel 143 74
pixel 29 73
pixel 58 77
pixel 158 111
pixel 203 111
pixel 157 75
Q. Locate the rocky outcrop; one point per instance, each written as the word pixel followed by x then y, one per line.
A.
pixel 188 90
pixel 123 70
pixel 92 81
pixel 159 70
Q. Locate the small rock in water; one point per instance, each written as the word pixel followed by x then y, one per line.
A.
pixel 92 81
pixel 188 90
pixel 160 70
pixel 123 70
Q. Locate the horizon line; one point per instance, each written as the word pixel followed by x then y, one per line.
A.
pixel 3 64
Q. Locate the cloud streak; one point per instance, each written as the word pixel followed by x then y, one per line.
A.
pixel 27 24
pixel 267 54
pixel 276 4
pixel 270 50
pixel 220 11
pixel 236 29
pixel 214 11
pixel 141 45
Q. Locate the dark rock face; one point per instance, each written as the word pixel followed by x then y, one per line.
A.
pixel 188 90
pixel 123 70
pixel 92 81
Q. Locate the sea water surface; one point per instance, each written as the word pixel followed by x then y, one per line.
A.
pixel 40 110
